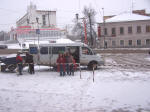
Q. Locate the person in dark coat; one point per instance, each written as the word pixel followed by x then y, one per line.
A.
pixel 19 61
pixel 73 65
pixel 30 62
pixel 67 60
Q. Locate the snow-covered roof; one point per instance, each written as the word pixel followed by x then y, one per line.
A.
pixel 62 40
pixel 127 17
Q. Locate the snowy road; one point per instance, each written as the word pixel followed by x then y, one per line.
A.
pixel 116 89
pixel 139 60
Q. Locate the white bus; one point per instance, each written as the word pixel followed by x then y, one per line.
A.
pixel 47 54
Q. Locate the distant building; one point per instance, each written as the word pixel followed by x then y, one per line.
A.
pixel 36 23
pixel 126 30
pixel 141 12
pixel 46 18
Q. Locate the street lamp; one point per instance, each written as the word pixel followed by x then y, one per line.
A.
pixel 37 30
pixel 104 28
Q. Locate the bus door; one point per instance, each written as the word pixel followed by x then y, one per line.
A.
pixel 50 55
pixel 44 57
pixel 55 52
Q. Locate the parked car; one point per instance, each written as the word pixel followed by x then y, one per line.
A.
pixel 8 63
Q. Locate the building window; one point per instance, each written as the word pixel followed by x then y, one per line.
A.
pixel 105 31
pixel 147 41
pixel 113 31
pixel 44 20
pixel 147 28
pixel 121 30
pixel 130 30
pixel 121 42
pixel 113 43
pixel 138 42
pixel 130 42
pixel 138 29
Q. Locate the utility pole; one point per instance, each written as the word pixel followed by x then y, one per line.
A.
pixel 85 32
pixel 84 22
pixel 104 28
pixel 90 29
pixel 38 30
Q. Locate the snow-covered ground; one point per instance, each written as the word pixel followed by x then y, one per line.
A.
pixel 114 89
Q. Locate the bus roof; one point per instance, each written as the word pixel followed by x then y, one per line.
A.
pixel 58 42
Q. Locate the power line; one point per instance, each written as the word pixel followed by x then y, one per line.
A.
pixel 9 10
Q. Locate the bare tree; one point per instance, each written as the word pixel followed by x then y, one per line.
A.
pixel 89 14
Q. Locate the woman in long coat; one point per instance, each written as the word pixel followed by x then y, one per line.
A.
pixel 61 64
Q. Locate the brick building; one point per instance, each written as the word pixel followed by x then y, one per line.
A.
pixel 127 30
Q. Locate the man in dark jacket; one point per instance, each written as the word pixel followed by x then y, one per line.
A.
pixel 30 62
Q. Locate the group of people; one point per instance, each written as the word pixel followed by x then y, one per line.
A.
pixel 28 60
pixel 66 64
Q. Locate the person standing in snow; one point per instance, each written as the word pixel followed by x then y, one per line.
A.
pixel 29 61
pixel 31 64
pixel 67 60
pixel 19 61
pixel 61 64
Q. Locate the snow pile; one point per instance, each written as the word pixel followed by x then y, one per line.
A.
pixel 127 17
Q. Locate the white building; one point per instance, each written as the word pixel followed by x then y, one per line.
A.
pixel 126 30
pixel 36 24
pixel 46 18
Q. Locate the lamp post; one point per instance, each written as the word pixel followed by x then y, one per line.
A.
pixel 104 28
pixel 37 30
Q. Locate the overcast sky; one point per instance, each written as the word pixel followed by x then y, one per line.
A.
pixel 12 10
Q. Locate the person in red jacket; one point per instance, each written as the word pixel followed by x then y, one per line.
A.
pixel 61 64
pixel 19 61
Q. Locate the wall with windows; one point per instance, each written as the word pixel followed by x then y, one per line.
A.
pixel 130 34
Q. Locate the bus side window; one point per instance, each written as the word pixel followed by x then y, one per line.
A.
pixel 57 50
pixel 44 50
pixel 33 50
pixel 86 51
